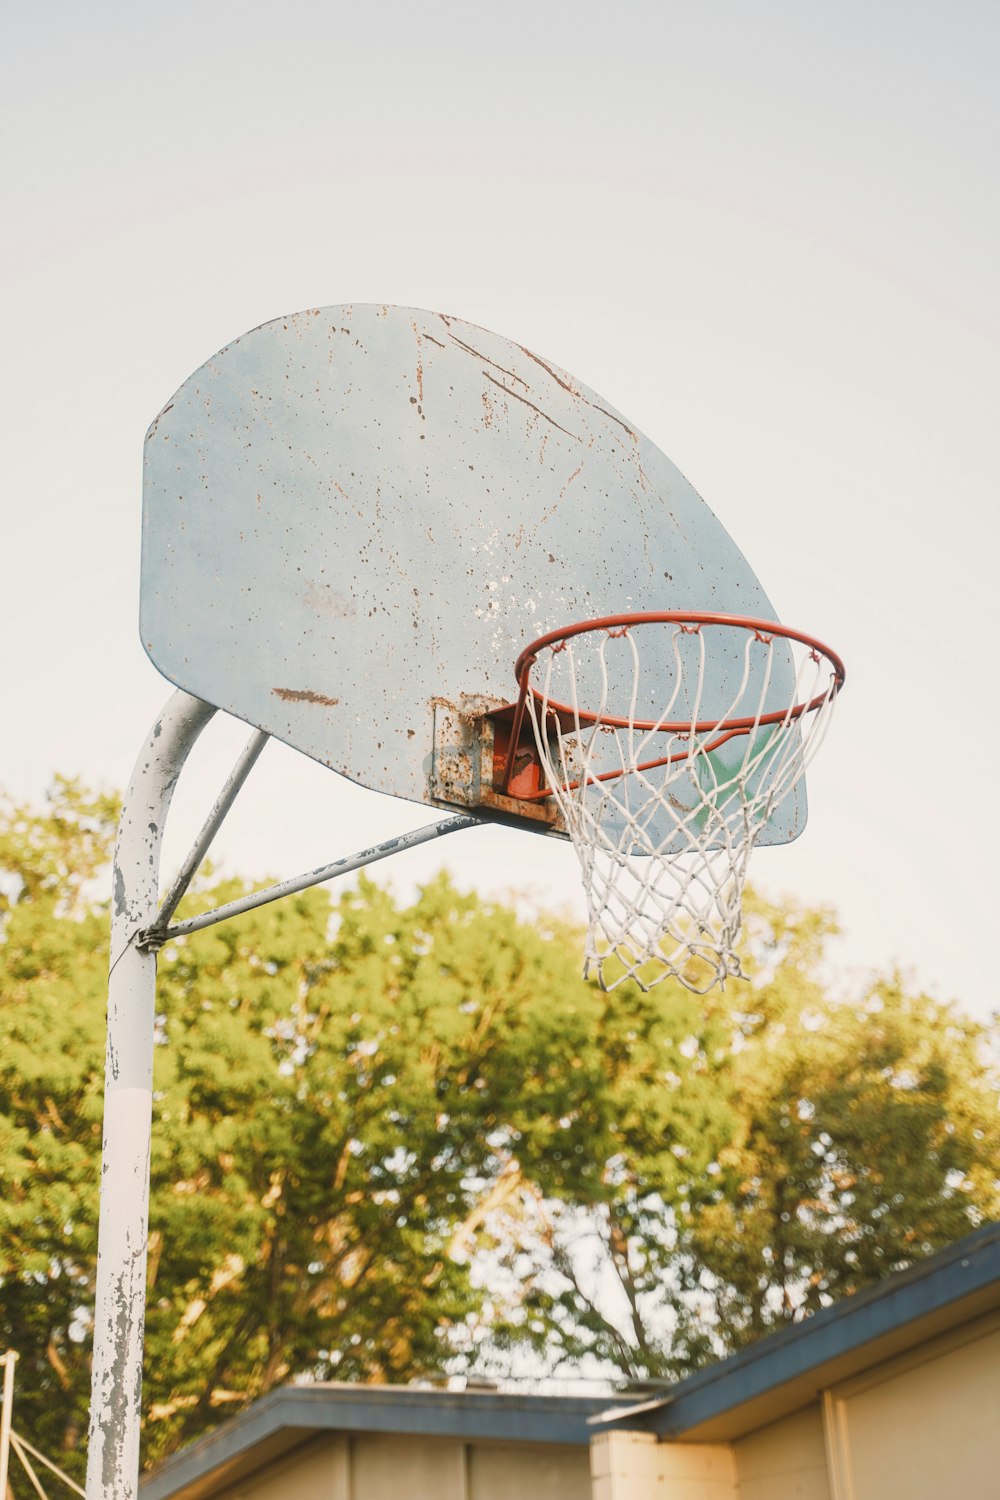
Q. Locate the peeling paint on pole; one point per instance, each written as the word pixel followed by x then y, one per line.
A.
pixel 116 1382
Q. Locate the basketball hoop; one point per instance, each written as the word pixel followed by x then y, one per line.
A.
pixel 672 743
pixel 667 744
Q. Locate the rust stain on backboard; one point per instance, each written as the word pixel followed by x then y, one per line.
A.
pixel 304 695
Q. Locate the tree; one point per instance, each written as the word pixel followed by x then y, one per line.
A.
pixel 869 1137
pixel 864 1135
pixel 399 1140
pixel 343 1090
pixel 53 989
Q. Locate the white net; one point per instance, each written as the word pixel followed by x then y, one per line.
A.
pixel 671 747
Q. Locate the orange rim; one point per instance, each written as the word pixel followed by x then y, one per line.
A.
pixel 690 623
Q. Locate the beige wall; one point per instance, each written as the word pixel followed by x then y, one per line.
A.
pixel 925 1426
pixel 634 1466
pixel 922 1426
pixel 786 1461
pixel 500 1471
pixel 318 1471
pixel 377 1467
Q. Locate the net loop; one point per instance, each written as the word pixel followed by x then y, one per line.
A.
pixel 672 743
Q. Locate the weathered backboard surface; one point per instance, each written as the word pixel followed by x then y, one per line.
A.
pixel 356 516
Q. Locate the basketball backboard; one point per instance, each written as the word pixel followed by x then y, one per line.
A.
pixel 355 518
pixel 355 521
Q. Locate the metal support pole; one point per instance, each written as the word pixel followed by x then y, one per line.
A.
pixel 9 1361
pixel 161 933
pixel 116 1384
pixel 210 828
pixel 137 932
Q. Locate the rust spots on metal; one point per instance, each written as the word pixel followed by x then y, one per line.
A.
pixel 156 422
pixel 433 340
pixel 420 368
pixel 549 371
pixel 556 502
pixel 569 481
pixel 471 745
pixel 574 392
pixel 611 417
pixel 480 355
pixel 304 695
pixel 518 397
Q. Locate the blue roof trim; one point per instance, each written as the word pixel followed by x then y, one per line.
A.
pixel 965 1268
pixel 305 1411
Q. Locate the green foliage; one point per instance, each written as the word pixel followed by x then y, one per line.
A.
pixel 869 1136
pixel 849 1140
pixel 53 991
pixel 394 1141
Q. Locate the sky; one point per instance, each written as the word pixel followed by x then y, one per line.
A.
pixel 768 234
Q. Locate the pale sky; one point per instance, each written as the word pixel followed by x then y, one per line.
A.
pixel 767 233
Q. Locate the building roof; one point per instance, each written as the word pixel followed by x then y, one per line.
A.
pixel 788 1370
pixel 771 1379
pixel 294 1415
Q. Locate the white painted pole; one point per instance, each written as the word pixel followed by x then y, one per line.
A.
pixel 162 933
pixel 210 827
pixel 9 1361
pixel 116 1382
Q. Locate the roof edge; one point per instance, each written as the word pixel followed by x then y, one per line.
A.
pixel 902 1304
pixel 292 1415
